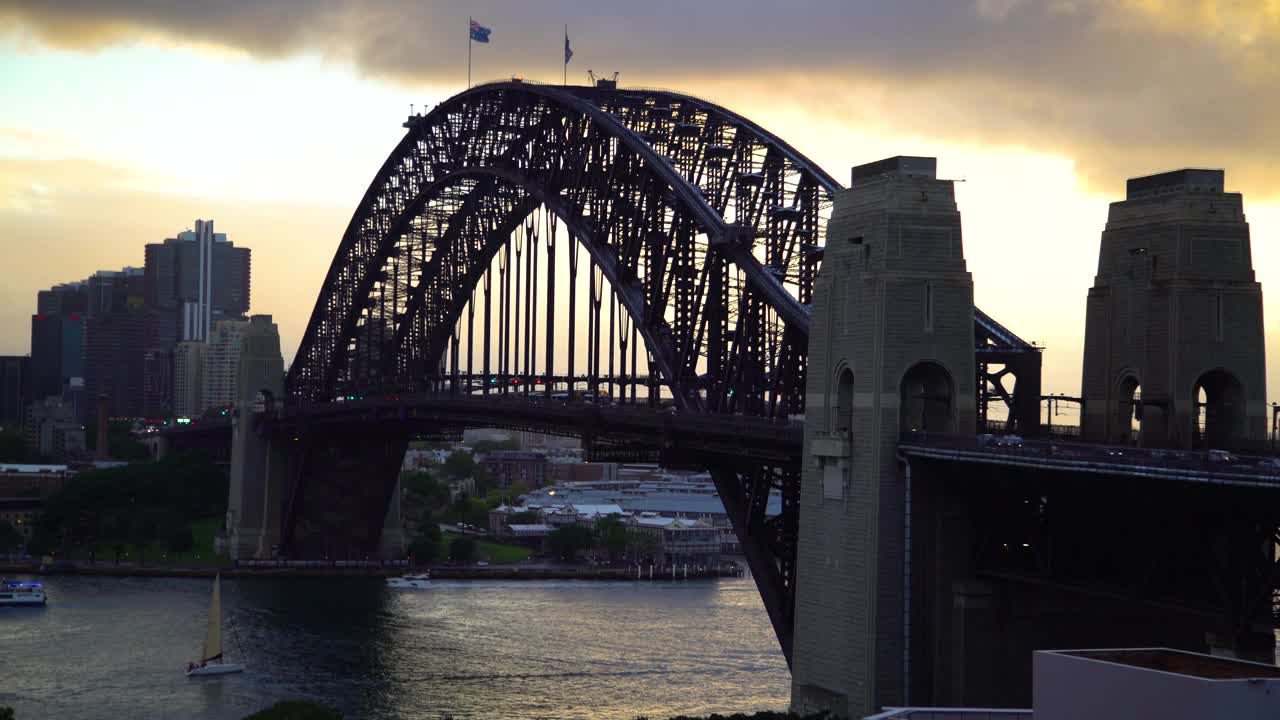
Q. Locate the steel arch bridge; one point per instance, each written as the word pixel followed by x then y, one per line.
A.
pixel 703 236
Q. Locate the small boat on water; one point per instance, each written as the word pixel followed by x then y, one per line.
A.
pixel 21 594
pixel 211 660
pixel 410 582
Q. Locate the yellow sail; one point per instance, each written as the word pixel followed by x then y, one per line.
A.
pixel 212 649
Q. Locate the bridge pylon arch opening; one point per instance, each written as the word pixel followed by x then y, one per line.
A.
pixel 1221 415
pixel 927 400
pixel 1129 411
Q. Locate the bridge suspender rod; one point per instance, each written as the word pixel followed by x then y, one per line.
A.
pixel 573 305
pixel 488 322
pixel 550 332
pixel 513 327
pixel 530 296
pixel 613 312
pixel 471 340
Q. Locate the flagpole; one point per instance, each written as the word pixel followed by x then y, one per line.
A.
pixel 468 52
pixel 566 60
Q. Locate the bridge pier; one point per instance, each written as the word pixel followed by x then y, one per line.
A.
pixel 891 351
pixel 258 464
pixel 343 503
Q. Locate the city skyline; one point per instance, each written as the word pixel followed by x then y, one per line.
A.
pixel 292 127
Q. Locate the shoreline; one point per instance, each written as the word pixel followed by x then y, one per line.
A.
pixel 437 573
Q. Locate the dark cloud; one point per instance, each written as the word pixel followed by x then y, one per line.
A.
pixel 1122 86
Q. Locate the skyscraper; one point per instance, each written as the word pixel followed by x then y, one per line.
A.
pixel 196 279
pixel 57 352
pixel 222 362
pixel 15 390
pixel 117 334
pixel 188 379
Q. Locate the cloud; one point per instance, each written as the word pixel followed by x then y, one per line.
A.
pixel 1123 87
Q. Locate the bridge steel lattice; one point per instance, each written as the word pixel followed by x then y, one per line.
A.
pixel 707 229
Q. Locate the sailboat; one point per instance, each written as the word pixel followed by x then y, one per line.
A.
pixel 212 661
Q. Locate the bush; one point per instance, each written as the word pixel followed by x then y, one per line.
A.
pixel 179 540
pixel 296 710
pixel 462 549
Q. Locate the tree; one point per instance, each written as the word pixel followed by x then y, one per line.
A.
pixel 524 517
pixel 426 546
pixel 12 447
pixel 612 534
pixel 463 549
pixel 6 713
pixel 567 541
pixel 179 539
pixel 9 536
pixel 461 464
pixel 644 545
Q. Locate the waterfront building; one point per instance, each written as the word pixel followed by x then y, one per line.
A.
pixel 222 362
pixel 196 279
pixel 15 390
pixel 676 541
pixel 188 378
pixel 31 480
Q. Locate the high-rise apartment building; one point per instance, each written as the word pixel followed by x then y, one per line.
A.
pixel 188 378
pixel 222 362
pixel 57 352
pixel 196 279
pixel 15 390
pixel 64 299
pixel 114 346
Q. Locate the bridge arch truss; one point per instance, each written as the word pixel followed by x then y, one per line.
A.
pixel 706 229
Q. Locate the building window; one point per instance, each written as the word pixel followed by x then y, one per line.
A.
pixel 928 306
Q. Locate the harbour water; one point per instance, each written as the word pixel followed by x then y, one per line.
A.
pixel 116 647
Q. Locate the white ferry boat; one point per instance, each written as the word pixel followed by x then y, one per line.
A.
pixel 411 582
pixel 13 592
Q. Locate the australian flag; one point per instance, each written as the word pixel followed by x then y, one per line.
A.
pixel 568 52
pixel 479 33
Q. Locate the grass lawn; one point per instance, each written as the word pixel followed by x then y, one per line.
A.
pixel 201 553
pixel 493 553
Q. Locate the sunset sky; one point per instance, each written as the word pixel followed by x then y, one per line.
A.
pixel 121 121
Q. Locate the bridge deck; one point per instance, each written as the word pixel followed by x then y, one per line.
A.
pixel 1212 467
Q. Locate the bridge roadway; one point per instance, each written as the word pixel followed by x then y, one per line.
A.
pixel 1207 467
pixel 665 434
pixel 638 430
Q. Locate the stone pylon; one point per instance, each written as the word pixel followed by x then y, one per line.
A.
pixel 1174 353
pixel 891 351
pixel 259 467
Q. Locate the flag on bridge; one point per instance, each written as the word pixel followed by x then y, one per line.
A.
pixel 478 33
pixel 568 53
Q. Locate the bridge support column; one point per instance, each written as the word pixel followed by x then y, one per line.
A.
pixel 259 465
pixel 393 542
pixel 891 350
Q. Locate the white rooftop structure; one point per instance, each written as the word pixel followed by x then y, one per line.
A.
pixel 29 468
pixel 1131 683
